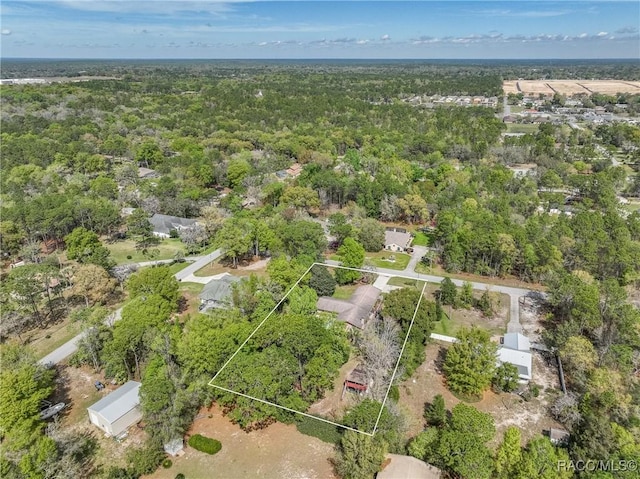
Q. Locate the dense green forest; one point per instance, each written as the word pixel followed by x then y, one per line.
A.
pixel 220 139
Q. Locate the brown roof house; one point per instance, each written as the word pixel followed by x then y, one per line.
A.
pixel 397 239
pixel 357 310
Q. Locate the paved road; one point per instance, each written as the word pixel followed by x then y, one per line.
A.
pixel 506 108
pixel 513 326
pixel 186 273
pixel 70 347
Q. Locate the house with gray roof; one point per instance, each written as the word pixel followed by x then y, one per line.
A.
pixel 217 292
pixel 117 411
pixel 397 239
pixel 357 310
pixel 163 224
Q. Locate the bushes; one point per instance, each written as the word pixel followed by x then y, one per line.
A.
pixel 144 460
pixel 322 430
pixel 167 463
pixel 204 444
pixel 394 393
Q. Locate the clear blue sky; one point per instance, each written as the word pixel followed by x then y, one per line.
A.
pixel 319 29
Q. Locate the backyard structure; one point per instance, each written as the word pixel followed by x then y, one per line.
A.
pixel 117 411
pixel 356 380
pixel 217 292
pixel 163 224
pixel 516 349
pixel 355 311
pixel 559 437
pixel 397 239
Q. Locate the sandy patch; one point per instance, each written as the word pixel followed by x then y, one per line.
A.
pixel 277 452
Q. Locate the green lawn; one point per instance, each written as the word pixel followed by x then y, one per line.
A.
pixel 522 128
pixel 175 267
pixel 382 260
pixel 194 288
pixel 421 239
pixel 406 282
pixel 446 327
pixel 121 250
pixel 344 292
pixel 423 268
pixel 633 206
pixel 44 341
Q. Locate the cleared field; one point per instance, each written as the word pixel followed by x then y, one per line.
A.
pixel 125 251
pixel 568 87
pixel 571 87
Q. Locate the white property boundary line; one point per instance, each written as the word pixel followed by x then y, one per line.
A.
pixel 370 434
pixel 395 370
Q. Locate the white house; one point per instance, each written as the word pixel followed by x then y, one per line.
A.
pixel 516 349
pixel 396 239
pixel 117 411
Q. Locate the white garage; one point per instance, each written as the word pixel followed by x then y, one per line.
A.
pixel 117 411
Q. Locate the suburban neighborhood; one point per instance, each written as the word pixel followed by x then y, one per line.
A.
pixel 320 270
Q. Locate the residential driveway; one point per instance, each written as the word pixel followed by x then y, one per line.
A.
pixel 416 256
pixel 200 263
pixel 70 347
pixel 513 326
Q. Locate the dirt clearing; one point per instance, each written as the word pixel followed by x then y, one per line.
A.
pixel 531 417
pixel 570 87
pixel 277 452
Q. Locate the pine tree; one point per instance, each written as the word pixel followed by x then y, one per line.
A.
pixel 436 413
pixel 360 456
pixel 448 292
pixel 470 362
pixel 465 298
pixel 509 454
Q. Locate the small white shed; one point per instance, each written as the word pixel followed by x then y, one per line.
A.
pixel 117 411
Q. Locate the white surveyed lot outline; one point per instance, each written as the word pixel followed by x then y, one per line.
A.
pixel 393 375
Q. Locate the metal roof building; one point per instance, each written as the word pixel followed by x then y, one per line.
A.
pixel 117 411
pixel 516 341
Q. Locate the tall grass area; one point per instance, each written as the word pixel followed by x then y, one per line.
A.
pixel 324 431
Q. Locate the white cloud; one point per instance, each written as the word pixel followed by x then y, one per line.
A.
pixel 214 7
pixel 385 37
pixel 495 38
pixel 525 13
pixel 5 31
